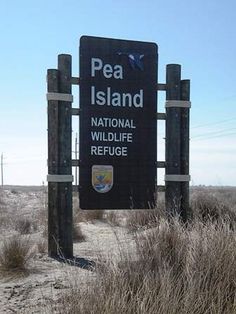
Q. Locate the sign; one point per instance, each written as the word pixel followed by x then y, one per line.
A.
pixel 118 126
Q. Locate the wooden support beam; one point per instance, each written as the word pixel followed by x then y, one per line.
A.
pixel 53 164
pixel 75 111
pixel 75 163
pixel 161 87
pixel 65 140
pixel 161 116
pixel 161 188
pixel 185 202
pixel 60 242
pixel 161 164
pixel 75 188
pixel 75 80
pixel 173 139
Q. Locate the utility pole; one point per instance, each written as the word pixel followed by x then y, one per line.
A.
pixel 2 169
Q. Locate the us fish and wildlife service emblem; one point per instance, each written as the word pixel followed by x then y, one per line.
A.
pixel 102 178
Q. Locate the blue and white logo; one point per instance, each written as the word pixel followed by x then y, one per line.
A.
pixel 135 59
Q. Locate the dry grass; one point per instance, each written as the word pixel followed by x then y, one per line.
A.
pixel 77 233
pixel 25 225
pixel 5 218
pixel 144 219
pixel 88 215
pixel 85 215
pixel 112 217
pixel 175 269
pixel 42 246
pixel 15 254
pixel 42 220
pixel 15 191
pixel 2 202
pixel 139 219
pixel 207 206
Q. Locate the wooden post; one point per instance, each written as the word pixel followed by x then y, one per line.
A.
pixel 60 242
pixel 53 155
pixel 177 142
pixel 66 240
pixel 173 143
pixel 76 158
pixel 185 95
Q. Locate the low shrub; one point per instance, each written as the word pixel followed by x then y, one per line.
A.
pixel 206 206
pixel 15 254
pixel 14 191
pixel 25 225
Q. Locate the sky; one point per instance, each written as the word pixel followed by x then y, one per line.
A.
pixel 199 35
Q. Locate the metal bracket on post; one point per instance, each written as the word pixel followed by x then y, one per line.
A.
pixel 178 104
pixel 75 162
pixel 177 177
pixel 75 80
pixel 161 188
pixel 161 87
pixel 60 97
pixel 161 116
pixel 59 178
pixel 75 111
pixel 161 164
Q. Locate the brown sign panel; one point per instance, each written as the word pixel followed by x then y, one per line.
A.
pixel 118 126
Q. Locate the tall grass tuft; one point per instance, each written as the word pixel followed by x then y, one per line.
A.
pixel 145 219
pixel 139 219
pixel 15 254
pixel 206 206
pixel 25 225
pixel 175 269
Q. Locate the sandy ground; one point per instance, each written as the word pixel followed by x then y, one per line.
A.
pixel 47 278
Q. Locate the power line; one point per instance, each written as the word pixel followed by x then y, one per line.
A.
pixel 214 133
pixel 215 136
pixel 17 162
pixel 213 123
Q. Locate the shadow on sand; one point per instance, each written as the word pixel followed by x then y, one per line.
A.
pixel 77 262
